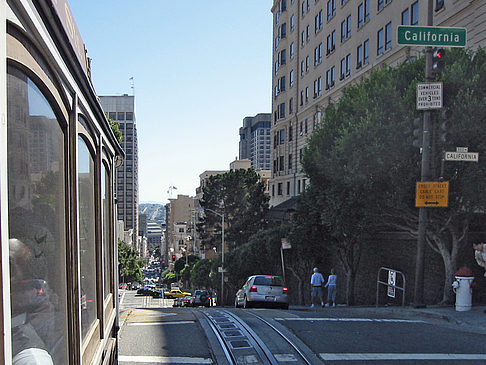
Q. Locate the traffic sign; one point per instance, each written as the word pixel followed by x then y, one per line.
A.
pixel 432 194
pixel 431 36
pixel 429 95
pixel 461 154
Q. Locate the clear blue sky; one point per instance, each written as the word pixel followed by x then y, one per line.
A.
pixel 199 68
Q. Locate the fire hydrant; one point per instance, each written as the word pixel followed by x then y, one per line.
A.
pixel 462 286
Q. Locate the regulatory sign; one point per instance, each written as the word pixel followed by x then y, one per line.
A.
pixel 429 95
pixel 392 279
pixel 431 36
pixel 432 194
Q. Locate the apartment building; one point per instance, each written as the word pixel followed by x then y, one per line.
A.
pixel 122 110
pixel 322 46
pixel 255 142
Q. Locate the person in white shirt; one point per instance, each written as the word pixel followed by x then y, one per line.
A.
pixel 480 254
pixel 316 282
pixel 331 289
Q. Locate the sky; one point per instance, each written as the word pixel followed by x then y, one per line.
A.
pixel 199 68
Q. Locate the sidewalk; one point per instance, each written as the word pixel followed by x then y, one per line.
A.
pixel 473 320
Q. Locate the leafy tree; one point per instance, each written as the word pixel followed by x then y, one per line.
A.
pixel 240 196
pixel 115 127
pixel 364 163
pixel 203 273
pixel 130 262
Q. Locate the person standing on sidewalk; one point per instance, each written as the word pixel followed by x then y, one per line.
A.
pixel 316 282
pixel 480 255
pixel 331 289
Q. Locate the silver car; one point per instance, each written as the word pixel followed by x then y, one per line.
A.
pixel 263 290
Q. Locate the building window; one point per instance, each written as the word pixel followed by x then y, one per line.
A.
pixel 282 136
pixel 343 68
pixel 360 15
pixel 302 38
pixel 282 110
pixel 282 57
pixel 405 17
pixel 279 190
pixel 288 186
pixel 306 94
pixel 414 19
pixel 331 9
pixel 331 42
pixel 307 62
pixel 298 186
pixel 273 188
pixel 318 22
pixel 291 78
pixel 292 22
pixel 307 33
pixel 291 105
pixel 112 115
pixel 290 161
pixel 439 4
pixel 129 115
pixel 302 68
pixel 292 50
pixel 380 42
pixel 330 78
pixel 359 56
pixel 283 31
pixel 366 51
pixel 388 36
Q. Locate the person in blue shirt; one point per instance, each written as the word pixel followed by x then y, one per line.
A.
pixel 331 289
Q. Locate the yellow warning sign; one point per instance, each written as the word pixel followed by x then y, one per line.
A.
pixel 432 194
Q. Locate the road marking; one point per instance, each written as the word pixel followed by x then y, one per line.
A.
pixel 351 320
pixel 164 360
pixel 157 323
pixel 376 356
pixel 122 297
pixel 285 357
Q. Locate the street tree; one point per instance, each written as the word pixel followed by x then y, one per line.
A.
pixel 240 196
pixel 130 263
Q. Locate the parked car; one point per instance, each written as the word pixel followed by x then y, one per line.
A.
pixel 175 293
pixel 201 297
pixel 263 290
pixel 186 301
pixel 146 290
pixel 157 293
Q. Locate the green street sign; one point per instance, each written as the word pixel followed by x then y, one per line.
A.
pixel 431 36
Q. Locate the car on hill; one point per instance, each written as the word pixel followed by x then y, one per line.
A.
pixel 175 293
pixel 201 297
pixel 263 290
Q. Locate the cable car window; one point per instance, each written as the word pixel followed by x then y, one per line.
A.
pixel 37 244
pixel 87 236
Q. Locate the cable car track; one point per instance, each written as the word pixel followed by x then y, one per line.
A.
pixel 241 344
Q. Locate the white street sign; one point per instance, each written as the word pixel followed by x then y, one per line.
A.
pixel 392 279
pixel 462 156
pixel 429 95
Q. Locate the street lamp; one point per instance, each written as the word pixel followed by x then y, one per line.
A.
pixel 222 252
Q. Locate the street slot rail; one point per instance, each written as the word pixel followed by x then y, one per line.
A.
pixel 242 345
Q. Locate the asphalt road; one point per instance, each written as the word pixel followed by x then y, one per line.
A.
pixel 152 332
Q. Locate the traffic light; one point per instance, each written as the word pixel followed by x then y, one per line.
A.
pixel 444 126
pixel 438 60
pixel 173 257
pixel 418 132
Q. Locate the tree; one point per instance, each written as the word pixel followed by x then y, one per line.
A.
pixel 363 161
pixel 115 127
pixel 130 263
pixel 203 273
pixel 240 196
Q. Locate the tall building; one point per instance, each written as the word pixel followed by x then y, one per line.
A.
pixel 122 110
pixel 255 140
pixel 320 47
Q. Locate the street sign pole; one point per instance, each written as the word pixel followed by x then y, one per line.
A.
pixel 418 299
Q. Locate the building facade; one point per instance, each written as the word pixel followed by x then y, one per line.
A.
pixel 122 110
pixel 322 46
pixel 255 140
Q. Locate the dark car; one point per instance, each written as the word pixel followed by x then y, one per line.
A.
pixel 201 298
pixel 263 290
pixel 146 290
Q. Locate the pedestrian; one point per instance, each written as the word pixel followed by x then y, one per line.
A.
pixel 316 282
pixel 480 254
pixel 331 289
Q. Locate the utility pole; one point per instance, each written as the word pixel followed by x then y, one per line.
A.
pixel 418 300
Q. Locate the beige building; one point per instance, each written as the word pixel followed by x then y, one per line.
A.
pixel 321 46
pixel 181 218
